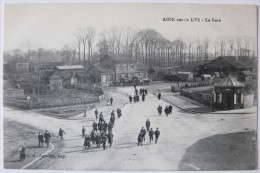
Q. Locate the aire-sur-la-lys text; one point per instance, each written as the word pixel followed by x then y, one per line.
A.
pixel 192 19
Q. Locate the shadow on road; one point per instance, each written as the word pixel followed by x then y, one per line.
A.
pixel 232 151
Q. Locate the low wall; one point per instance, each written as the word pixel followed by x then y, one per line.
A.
pixel 30 104
pixel 199 98
pixel 177 87
pixel 248 100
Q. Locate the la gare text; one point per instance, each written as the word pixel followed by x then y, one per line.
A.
pixel 192 19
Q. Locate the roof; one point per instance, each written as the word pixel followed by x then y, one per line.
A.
pixel 247 73
pixel 156 69
pixel 229 82
pixel 141 67
pixel 70 67
pixel 101 68
pixel 182 72
pixel 236 61
pixel 55 76
pixel 123 58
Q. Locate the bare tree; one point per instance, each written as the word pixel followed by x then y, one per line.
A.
pixel 78 41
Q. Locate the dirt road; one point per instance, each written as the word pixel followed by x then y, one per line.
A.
pixel 178 131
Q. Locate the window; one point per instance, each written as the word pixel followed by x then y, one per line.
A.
pixel 238 98
pixel 132 67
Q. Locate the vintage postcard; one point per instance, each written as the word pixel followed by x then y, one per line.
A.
pixel 130 87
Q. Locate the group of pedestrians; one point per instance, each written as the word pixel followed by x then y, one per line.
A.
pixel 167 110
pixel 44 138
pixel 142 92
pixel 101 130
pixel 143 131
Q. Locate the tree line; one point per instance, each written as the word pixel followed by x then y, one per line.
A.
pixel 147 45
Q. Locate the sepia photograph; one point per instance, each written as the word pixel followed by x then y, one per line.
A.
pixel 130 87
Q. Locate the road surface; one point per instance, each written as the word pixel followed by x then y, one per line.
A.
pixel 178 131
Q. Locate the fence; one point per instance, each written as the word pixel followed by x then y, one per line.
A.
pixel 46 103
pixel 201 98
pixel 178 86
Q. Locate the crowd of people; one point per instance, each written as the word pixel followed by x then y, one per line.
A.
pixel 151 133
pixel 101 130
pixel 142 92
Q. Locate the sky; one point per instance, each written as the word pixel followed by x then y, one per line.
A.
pixel 51 26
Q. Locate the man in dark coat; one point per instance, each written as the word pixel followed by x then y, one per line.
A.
pixel 104 141
pixel 147 124
pixel 87 142
pixel 47 137
pixel 40 139
pixel 130 99
pixel 140 139
pixel 151 133
pixel 105 127
pixel 170 109
pixel 136 91
pixel 143 132
pixel 110 126
pixel 101 117
pixel 143 97
pixel 159 96
pixel 145 91
pixel 119 113
pixel 137 98
pixel 100 126
pixel 113 114
pixel 96 113
pixel 157 134
pixel 134 98
pixel 110 138
pixel 94 125
pixel 166 110
pixel 159 109
pixel 111 101
pixel 112 120
pixel 61 133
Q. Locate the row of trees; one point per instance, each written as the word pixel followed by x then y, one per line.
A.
pixel 147 45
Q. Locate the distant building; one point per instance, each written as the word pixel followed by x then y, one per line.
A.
pixel 55 82
pixel 229 65
pixel 246 76
pixel 116 66
pixel 22 67
pixel 185 76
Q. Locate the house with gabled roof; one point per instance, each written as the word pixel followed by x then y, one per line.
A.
pixel 113 67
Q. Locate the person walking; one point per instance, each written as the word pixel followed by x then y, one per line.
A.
pixel 111 101
pixel 47 137
pixel 110 138
pixel 170 109
pixel 159 96
pixel 130 99
pixel 87 142
pixel 94 126
pixel 143 132
pixel 101 117
pixel 119 113
pixel 104 141
pixel 110 126
pixel 100 126
pixel 151 133
pixel 145 91
pixel 166 110
pixel 136 91
pixel 22 153
pixel 140 139
pixel 40 139
pixel 143 97
pixel 157 134
pixel 147 124
pixel 96 113
pixel 61 133
pixel 137 98
pixel 159 109
pixel 105 127
pixel 83 131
